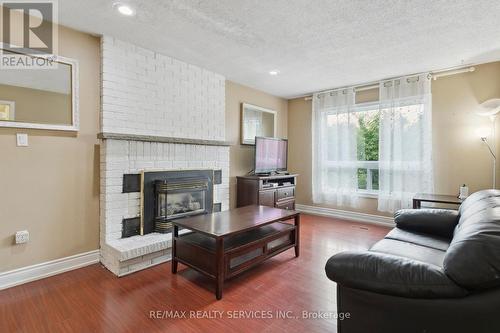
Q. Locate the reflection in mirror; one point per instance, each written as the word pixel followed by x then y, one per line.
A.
pixel 256 121
pixel 37 96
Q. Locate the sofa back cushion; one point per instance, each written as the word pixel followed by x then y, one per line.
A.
pixel 473 258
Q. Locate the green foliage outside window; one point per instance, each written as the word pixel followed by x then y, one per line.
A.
pixel 367 146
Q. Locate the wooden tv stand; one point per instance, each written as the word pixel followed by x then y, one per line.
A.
pixel 257 190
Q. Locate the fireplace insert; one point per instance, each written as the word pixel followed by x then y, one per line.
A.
pixel 169 195
pixel 178 198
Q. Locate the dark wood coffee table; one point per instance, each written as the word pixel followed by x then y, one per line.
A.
pixel 225 244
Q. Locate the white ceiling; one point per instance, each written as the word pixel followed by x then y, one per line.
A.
pixel 316 45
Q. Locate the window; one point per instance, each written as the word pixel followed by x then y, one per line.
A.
pixel 367 142
pixel 367 145
pixel 364 122
pixel 380 149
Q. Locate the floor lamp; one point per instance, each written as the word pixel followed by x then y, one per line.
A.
pixel 490 109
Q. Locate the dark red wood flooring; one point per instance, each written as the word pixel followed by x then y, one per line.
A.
pixel 92 299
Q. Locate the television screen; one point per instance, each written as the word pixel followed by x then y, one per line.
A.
pixel 270 154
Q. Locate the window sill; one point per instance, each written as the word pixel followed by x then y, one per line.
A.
pixel 367 194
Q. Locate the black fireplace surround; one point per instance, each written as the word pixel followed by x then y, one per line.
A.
pixel 169 195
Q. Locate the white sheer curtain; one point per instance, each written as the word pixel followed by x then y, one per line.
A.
pixel 405 146
pixel 334 148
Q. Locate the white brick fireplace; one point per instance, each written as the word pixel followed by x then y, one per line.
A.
pixel 157 113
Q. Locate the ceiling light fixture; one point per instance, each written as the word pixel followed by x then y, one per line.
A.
pixel 274 72
pixel 124 9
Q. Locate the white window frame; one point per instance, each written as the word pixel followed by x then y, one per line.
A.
pixel 369 192
pixel 368 165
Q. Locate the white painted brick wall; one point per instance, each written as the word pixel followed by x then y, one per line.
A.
pixel 147 93
pixel 120 157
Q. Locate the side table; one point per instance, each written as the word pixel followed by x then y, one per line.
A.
pixel 435 198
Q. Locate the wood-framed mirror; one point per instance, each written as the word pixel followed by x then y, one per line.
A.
pixel 40 98
pixel 256 121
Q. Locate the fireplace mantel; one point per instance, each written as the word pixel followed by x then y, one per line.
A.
pixel 162 139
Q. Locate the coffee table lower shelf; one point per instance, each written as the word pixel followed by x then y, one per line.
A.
pixel 222 258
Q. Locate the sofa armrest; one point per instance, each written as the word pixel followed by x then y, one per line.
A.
pixel 391 275
pixel 439 222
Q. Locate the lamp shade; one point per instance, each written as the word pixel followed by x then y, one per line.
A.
pixel 489 108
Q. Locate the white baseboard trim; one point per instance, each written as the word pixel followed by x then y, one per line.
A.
pixel 346 215
pixel 46 269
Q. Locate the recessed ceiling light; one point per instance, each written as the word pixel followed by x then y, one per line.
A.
pixel 124 9
pixel 274 72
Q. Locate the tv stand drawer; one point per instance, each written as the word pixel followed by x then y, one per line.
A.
pixel 288 205
pixel 285 193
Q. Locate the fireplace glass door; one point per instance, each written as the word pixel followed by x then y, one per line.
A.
pixel 184 203
pixel 179 198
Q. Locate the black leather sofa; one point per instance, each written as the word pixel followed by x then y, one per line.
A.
pixel 437 271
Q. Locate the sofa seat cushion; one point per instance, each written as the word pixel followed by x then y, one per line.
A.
pixel 408 250
pixel 391 275
pixel 435 242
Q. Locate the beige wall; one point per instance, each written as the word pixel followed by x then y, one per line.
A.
pixel 51 188
pixel 459 155
pixel 38 106
pixel 241 156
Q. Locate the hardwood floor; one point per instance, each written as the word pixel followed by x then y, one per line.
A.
pixel 92 299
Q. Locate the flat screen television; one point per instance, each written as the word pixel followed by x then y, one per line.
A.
pixel 270 154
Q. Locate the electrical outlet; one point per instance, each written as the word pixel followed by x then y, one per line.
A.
pixel 22 237
pixel 22 139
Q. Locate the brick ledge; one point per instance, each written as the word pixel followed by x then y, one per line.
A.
pixel 163 139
